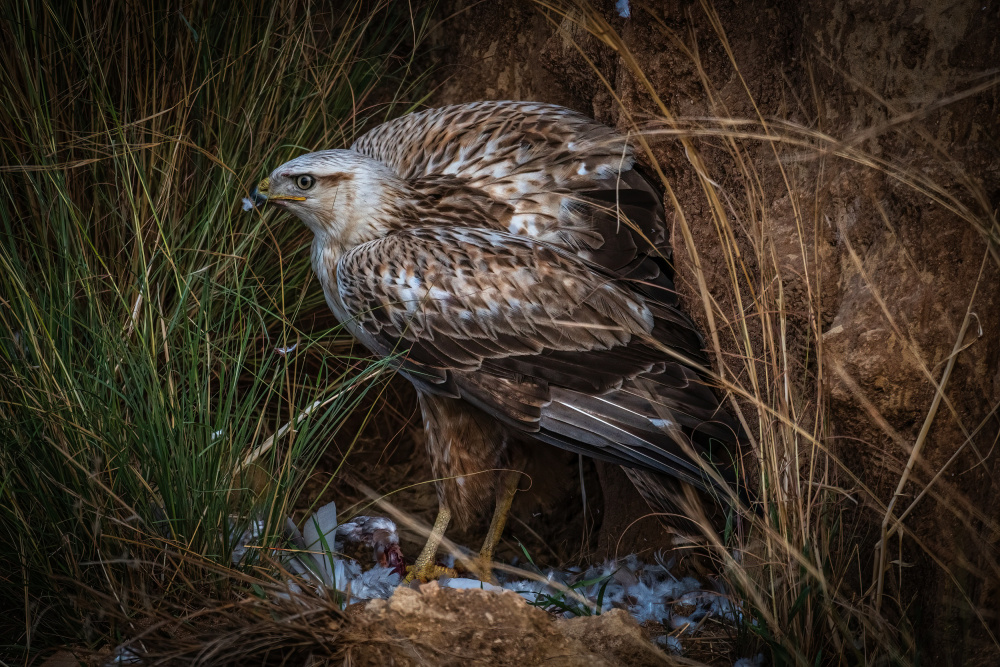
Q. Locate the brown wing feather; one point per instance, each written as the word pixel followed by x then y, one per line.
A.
pixel 540 340
pixel 538 170
pixel 453 297
pixel 487 142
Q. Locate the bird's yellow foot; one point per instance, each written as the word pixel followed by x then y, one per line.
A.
pixel 425 569
pixel 428 572
pixel 482 567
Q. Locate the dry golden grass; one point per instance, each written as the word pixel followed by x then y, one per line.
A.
pixel 800 567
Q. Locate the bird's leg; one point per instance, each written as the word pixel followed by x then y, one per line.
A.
pixel 505 496
pixel 424 569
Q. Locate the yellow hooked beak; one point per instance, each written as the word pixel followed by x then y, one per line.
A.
pixel 261 194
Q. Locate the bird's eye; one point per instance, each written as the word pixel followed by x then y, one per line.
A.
pixel 304 182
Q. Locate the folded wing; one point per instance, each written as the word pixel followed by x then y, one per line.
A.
pixel 542 341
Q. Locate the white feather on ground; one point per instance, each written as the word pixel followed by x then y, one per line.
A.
pixel 317 558
pixel 648 591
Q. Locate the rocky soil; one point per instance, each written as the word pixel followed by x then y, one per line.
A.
pixel 443 626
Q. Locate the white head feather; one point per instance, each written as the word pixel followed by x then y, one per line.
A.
pixel 344 197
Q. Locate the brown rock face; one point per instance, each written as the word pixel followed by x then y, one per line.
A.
pixel 443 626
pixel 850 219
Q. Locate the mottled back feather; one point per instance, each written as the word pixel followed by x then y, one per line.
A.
pixel 545 171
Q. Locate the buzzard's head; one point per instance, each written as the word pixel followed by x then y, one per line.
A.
pixel 344 197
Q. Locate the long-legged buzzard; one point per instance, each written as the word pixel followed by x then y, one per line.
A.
pixel 513 260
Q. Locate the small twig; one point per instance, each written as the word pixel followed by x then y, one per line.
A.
pixel 618 183
pixel 914 454
pixel 265 446
pixel 927 487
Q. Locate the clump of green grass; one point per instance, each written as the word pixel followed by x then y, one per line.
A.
pixel 145 319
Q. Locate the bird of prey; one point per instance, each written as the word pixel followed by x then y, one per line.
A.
pixel 513 261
